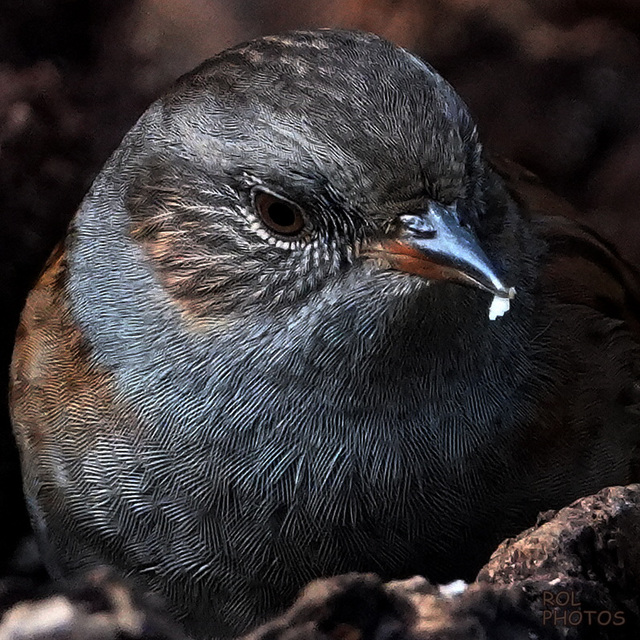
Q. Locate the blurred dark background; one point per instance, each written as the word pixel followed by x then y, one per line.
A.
pixel 553 85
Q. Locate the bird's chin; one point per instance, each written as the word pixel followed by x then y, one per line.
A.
pixel 403 284
pixel 434 301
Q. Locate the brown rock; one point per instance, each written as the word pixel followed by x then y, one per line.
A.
pixel 362 607
pixel 584 558
pixel 98 607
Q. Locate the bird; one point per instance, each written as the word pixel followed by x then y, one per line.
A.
pixel 304 324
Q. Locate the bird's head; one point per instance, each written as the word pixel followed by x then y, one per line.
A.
pixel 288 166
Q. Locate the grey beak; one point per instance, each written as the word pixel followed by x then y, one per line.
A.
pixel 433 244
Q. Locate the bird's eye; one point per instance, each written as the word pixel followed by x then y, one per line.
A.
pixel 279 215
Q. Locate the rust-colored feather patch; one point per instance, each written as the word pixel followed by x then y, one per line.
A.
pixel 58 397
pixel 185 243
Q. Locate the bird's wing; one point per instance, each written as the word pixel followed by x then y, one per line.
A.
pixel 581 267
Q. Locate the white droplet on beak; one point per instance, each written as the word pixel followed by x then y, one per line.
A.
pixel 500 306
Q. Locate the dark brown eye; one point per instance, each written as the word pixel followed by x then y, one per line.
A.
pixel 279 215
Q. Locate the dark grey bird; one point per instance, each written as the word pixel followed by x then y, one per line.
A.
pixel 264 351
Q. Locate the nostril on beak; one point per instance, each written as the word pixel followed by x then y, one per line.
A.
pixel 419 227
pixel 426 234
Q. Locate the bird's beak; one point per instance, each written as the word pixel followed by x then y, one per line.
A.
pixel 434 245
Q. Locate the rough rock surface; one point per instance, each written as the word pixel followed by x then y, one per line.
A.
pixel 579 568
pixel 361 607
pixel 100 607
